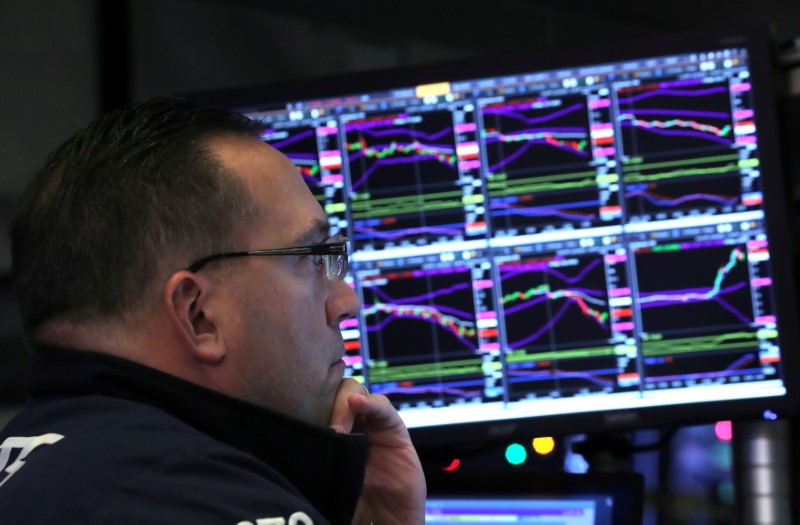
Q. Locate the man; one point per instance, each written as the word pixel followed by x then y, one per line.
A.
pixel 182 297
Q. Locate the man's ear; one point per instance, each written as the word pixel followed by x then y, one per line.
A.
pixel 187 302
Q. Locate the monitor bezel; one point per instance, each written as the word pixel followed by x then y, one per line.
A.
pixel 626 489
pixel 778 225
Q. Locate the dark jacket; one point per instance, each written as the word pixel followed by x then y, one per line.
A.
pixel 104 440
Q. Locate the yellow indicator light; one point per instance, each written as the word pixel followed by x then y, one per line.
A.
pixel 544 445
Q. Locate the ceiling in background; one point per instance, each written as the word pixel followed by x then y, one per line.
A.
pixel 488 27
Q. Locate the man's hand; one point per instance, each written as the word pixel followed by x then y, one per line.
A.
pixel 394 485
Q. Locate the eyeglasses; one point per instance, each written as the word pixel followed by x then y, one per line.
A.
pixel 332 253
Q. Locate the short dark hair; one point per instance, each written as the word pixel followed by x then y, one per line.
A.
pixel 136 188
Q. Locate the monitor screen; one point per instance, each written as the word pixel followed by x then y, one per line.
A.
pixel 517 509
pixel 574 241
pixel 541 497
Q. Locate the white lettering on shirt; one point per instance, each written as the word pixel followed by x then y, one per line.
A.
pixel 25 445
pixel 298 518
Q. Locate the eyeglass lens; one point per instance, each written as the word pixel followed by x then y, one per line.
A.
pixel 336 264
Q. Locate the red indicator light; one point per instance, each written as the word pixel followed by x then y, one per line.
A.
pixel 453 465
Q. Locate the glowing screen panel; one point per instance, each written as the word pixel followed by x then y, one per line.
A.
pixel 550 242
pixel 443 511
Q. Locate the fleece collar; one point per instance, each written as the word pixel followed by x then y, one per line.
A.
pixel 326 467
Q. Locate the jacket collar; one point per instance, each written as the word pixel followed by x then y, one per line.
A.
pixel 326 467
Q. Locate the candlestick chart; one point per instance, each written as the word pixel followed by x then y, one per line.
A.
pixel 315 153
pixel 557 326
pixel 683 287
pixel 422 335
pixel 696 304
pixel 300 146
pixel 666 117
pixel 404 180
pixel 537 164
pixel 680 143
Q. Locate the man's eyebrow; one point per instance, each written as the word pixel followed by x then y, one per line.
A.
pixel 316 233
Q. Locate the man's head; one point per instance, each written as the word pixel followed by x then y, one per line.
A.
pixel 128 195
pixel 274 319
pixel 106 231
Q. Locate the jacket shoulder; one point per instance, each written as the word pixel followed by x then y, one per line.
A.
pixel 97 459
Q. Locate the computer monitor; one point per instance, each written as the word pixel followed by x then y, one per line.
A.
pixel 519 497
pixel 572 241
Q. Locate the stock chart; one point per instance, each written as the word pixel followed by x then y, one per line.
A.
pixel 549 236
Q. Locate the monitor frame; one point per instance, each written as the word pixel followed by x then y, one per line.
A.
pixel 625 489
pixel 255 99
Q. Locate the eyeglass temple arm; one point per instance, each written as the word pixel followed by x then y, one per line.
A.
pixel 333 248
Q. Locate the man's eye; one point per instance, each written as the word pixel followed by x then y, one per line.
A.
pixel 319 260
